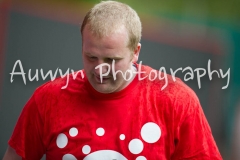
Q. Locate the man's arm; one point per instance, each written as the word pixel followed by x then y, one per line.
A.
pixel 11 154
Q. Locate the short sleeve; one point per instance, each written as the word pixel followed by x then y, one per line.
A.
pixel 193 136
pixel 27 137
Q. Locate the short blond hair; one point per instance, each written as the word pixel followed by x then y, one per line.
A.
pixel 106 17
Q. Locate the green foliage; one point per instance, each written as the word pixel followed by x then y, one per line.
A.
pixel 206 10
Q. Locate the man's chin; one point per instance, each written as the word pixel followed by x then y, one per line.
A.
pixel 103 90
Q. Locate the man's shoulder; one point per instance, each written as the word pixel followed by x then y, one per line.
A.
pixel 165 85
pixel 62 84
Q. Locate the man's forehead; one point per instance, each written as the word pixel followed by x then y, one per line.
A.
pixel 107 31
pixel 119 35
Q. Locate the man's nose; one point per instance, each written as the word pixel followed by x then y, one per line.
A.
pixel 102 68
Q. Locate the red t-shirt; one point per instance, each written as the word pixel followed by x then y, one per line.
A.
pixel 141 122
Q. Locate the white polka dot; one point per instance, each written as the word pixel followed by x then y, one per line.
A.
pixel 86 149
pixel 105 155
pixel 68 157
pixel 150 132
pixel 141 158
pixel 122 137
pixel 62 140
pixel 135 146
pixel 73 132
pixel 100 131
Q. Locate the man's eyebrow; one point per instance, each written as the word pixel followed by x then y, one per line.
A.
pixel 107 57
pixel 88 53
pixel 115 57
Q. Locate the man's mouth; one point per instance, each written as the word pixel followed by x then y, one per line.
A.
pixel 101 80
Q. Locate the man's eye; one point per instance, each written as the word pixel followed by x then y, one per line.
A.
pixel 110 59
pixel 92 58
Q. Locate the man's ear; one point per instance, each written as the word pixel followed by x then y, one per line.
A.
pixel 136 53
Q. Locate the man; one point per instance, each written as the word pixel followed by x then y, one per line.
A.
pixel 118 109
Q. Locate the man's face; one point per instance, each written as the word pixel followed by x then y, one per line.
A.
pixel 96 51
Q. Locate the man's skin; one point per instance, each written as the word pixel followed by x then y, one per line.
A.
pixel 11 154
